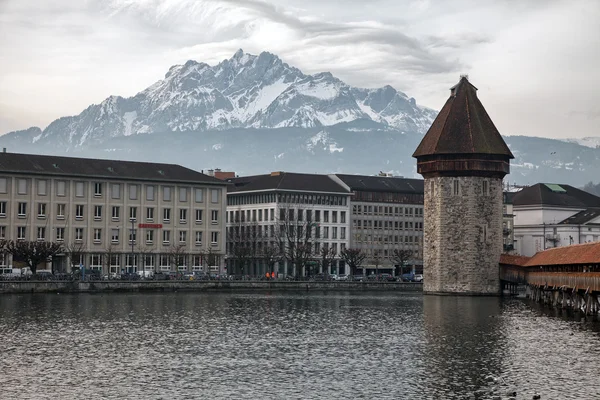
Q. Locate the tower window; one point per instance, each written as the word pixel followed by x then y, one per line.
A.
pixel 485 188
pixel 432 188
pixel 455 187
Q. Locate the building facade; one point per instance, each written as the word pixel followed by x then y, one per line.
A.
pixel 386 215
pixel 463 159
pixel 554 215
pixel 284 209
pixel 114 216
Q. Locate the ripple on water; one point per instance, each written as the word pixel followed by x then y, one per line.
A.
pixel 291 345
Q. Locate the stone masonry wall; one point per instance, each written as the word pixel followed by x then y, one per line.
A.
pixel 462 236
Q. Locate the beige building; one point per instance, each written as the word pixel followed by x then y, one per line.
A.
pixel 114 216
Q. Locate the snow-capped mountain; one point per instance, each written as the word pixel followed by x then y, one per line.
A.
pixel 245 91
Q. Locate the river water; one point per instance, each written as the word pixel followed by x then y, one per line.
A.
pixel 292 346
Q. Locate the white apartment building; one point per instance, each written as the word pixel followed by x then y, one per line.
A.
pixel 114 216
pixel 386 214
pixel 262 203
pixel 554 215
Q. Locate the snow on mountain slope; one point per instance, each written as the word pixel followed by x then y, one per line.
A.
pixel 245 91
pixel 590 141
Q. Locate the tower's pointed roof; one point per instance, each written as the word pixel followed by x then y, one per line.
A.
pixel 463 127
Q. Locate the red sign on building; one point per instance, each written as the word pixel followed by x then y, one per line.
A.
pixel 150 226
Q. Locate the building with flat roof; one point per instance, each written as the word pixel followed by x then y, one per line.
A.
pixel 299 214
pixel 113 216
pixel 386 215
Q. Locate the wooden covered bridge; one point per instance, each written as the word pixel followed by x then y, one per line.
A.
pixel 567 277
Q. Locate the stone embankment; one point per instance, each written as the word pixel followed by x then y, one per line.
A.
pixel 182 285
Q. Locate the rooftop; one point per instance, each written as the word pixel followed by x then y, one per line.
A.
pixel 382 183
pixel 587 253
pixel 98 168
pixel 289 181
pixel 582 217
pixel 557 195
pixel 463 127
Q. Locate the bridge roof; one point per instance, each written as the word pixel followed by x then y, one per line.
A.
pixel 587 253
pixel 509 259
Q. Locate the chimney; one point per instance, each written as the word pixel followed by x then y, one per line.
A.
pixel 211 172
pixel 276 173
pixel 217 170
pixel 4 149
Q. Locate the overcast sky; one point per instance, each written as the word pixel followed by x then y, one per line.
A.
pixel 536 62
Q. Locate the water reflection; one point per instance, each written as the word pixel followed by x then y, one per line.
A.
pixel 289 345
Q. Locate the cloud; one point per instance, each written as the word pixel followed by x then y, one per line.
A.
pixel 58 57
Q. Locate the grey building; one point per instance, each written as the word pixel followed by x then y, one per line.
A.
pixel 114 215
pixel 386 214
pixel 260 207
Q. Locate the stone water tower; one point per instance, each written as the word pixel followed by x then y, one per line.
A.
pixel 463 159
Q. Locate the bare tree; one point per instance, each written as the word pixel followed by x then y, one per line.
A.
pixel 327 256
pixel 376 260
pixel 32 253
pixel 176 255
pixel 295 236
pixel 353 258
pixel 239 246
pixel 271 254
pixel 75 251
pixel 211 257
pixel 401 257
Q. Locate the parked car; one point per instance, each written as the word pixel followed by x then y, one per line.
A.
pixel 408 277
pixel 359 278
pixel 342 278
pixel 386 277
pixel 189 276
pixel 418 278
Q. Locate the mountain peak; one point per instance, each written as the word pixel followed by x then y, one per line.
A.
pixel 238 54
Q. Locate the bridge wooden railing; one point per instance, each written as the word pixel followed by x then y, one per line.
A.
pixel 536 276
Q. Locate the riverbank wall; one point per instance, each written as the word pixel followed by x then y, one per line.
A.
pixel 172 286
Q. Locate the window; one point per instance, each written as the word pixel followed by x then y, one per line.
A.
pixel 214 195
pixel 132 213
pixel 343 233
pixel 3 185
pixel 455 187
pixel 150 213
pixel 115 191
pixel 60 211
pixel 41 187
pixel 79 211
pixel 2 209
pixel 2 232
pixel 97 235
pixel 97 189
pixel 61 188
pixel 21 233
pixel 182 236
pixel 334 217
pixel 166 237
pixel 78 234
pixel 150 193
pixel 199 216
pixel 485 190
pixel 325 232
pixel 116 211
pixel 166 215
pixel 22 210
pixel 166 193
pixel 96 260
pixel 182 195
pixel 79 189
pixel 41 210
pixel 133 192
pixel 199 195
pixel 214 238
pixel 22 186
pixel 334 232
pixel 182 215
pixel 149 261
pixel 60 234
pixel 325 216
pixel 343 217
pixel 214 216
pixel 41 233
pixel 164 262
pixel 198 237
pixel 114 237
pixel 150 236
pixel 97 213
pixel 132 235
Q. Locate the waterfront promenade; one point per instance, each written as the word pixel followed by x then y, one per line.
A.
pixel 192 285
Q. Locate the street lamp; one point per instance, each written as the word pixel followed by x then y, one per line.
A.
pixel 132 242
